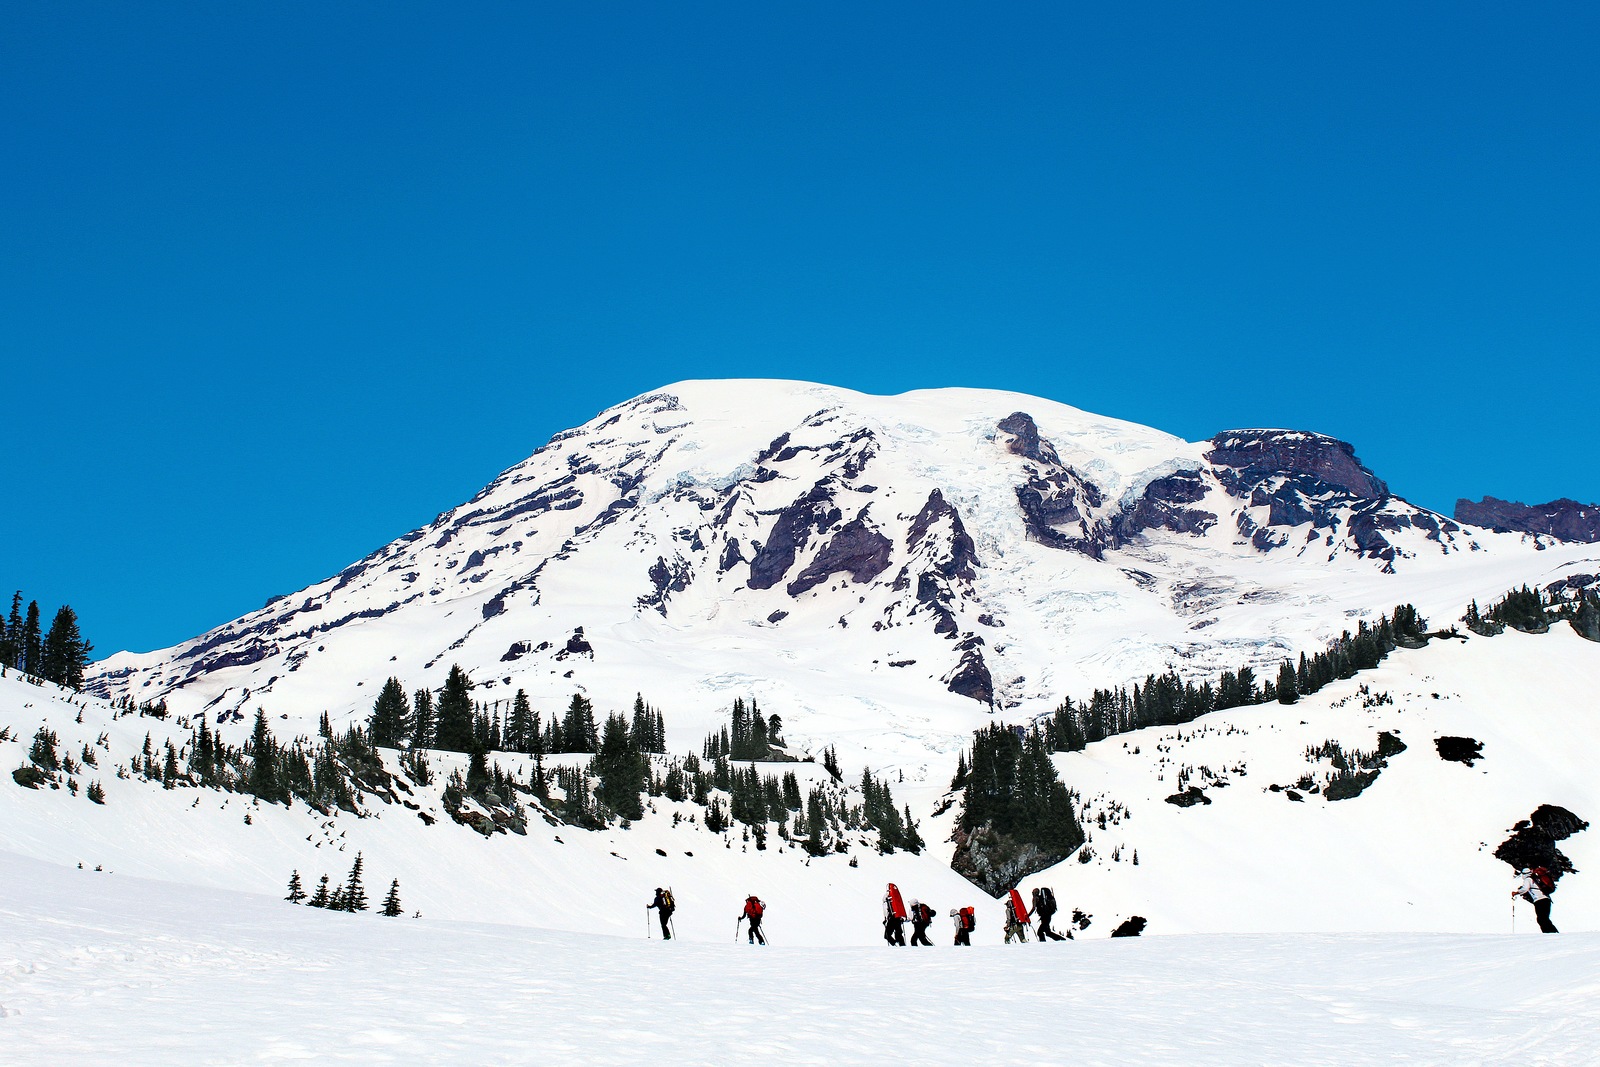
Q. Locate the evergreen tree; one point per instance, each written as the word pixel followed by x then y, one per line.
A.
pixel 321 898
pixel 621 769
pixel 388 726
pixel 391 903
pixel 422 719
pixel 578 728
pixel 1287 688
pixel 521 733
pixel 355 897
pixel 31 643
pixel 454 730
pixel 297 892
pixel 263 780
pixel 11 633
pixel 64 653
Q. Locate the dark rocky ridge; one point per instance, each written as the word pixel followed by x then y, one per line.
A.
pixel 1260 454
pixel 1564 518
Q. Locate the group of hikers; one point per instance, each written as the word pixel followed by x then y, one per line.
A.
pixel 1534 885
pixel 1018 917
pixel 754 909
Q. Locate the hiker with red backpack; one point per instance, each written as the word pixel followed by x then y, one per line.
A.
pixel 754 909
pixel 1535 886
pixel 921 916
pixel 894 916
pixel 966 921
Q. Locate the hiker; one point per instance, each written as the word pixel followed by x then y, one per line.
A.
pixel 1044 906
pixel 966 921
pixel 753 911
pixel 663 904
pixel 1015 926
pixel 921 916
pixel 1535 886
pixel 894 924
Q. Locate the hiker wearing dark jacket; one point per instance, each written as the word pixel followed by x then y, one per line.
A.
pixel 1535 886
pixel 921 916
pixel 1044 906
pixel 664 907
pixel 753 911
pixel 894 927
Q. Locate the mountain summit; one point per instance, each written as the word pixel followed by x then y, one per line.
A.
pixel 865 562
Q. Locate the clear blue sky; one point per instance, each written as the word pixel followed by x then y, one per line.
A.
pixel 279 282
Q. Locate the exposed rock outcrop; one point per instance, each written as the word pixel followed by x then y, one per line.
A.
pixel 1564 518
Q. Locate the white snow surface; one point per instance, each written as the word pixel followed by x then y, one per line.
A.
pixel 99 968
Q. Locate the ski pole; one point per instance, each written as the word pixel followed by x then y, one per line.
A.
pixel 647 923
pixel 736 924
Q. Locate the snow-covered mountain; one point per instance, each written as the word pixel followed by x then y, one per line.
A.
pixel 883 571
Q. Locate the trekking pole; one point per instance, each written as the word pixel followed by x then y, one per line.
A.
pixel 736 924
pixel 647 924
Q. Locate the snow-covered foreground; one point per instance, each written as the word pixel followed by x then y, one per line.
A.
pixel 104 968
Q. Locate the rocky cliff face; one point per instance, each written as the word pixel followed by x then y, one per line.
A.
pixel 1565 519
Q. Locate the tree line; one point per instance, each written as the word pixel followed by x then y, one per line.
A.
pixel 59 654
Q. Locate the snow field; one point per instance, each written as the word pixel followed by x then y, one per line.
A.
pixel 109 969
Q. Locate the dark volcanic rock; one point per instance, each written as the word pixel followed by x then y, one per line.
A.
pixel 1566 519
pixel 963 558
pixel 1459 749
pixel 1188 798
pixel 857 549
pixel 1050 502
pixel 1259 454
pixel 1025 440
pixel 971 677
pixel 791 531
pixel 1162 505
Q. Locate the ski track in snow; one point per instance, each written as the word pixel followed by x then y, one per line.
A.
pixel 102 968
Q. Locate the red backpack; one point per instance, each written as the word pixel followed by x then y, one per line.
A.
pixel 1543 879
pixel 969 919
pixel 753 907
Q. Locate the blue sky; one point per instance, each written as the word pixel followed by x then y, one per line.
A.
pixel 279 282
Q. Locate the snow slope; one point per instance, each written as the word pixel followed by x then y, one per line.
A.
pixel 107 969
pixel 1411 853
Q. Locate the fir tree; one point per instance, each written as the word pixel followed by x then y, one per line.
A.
pixel 263 780
pixel 30 644
pixel 355 896
pixel 454 730
pixel 422 719
pixel 391 903
pixel 1287 688
pixel 297 892
pixel 65 653
pixel 388 726
pixel 320 898
pixel 11 633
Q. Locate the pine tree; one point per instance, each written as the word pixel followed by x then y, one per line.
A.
pixel 391 903
pixel 422 719
pixel 355 897
pixel 11 633
pixel 30 645
pixel 297 892
pixel 263 780
pixel 520 729
pixel 388 726
pixel 1287 688
pixel 321 898
pixel 454 730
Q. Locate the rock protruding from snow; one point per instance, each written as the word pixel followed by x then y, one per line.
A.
pixel 1564 518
